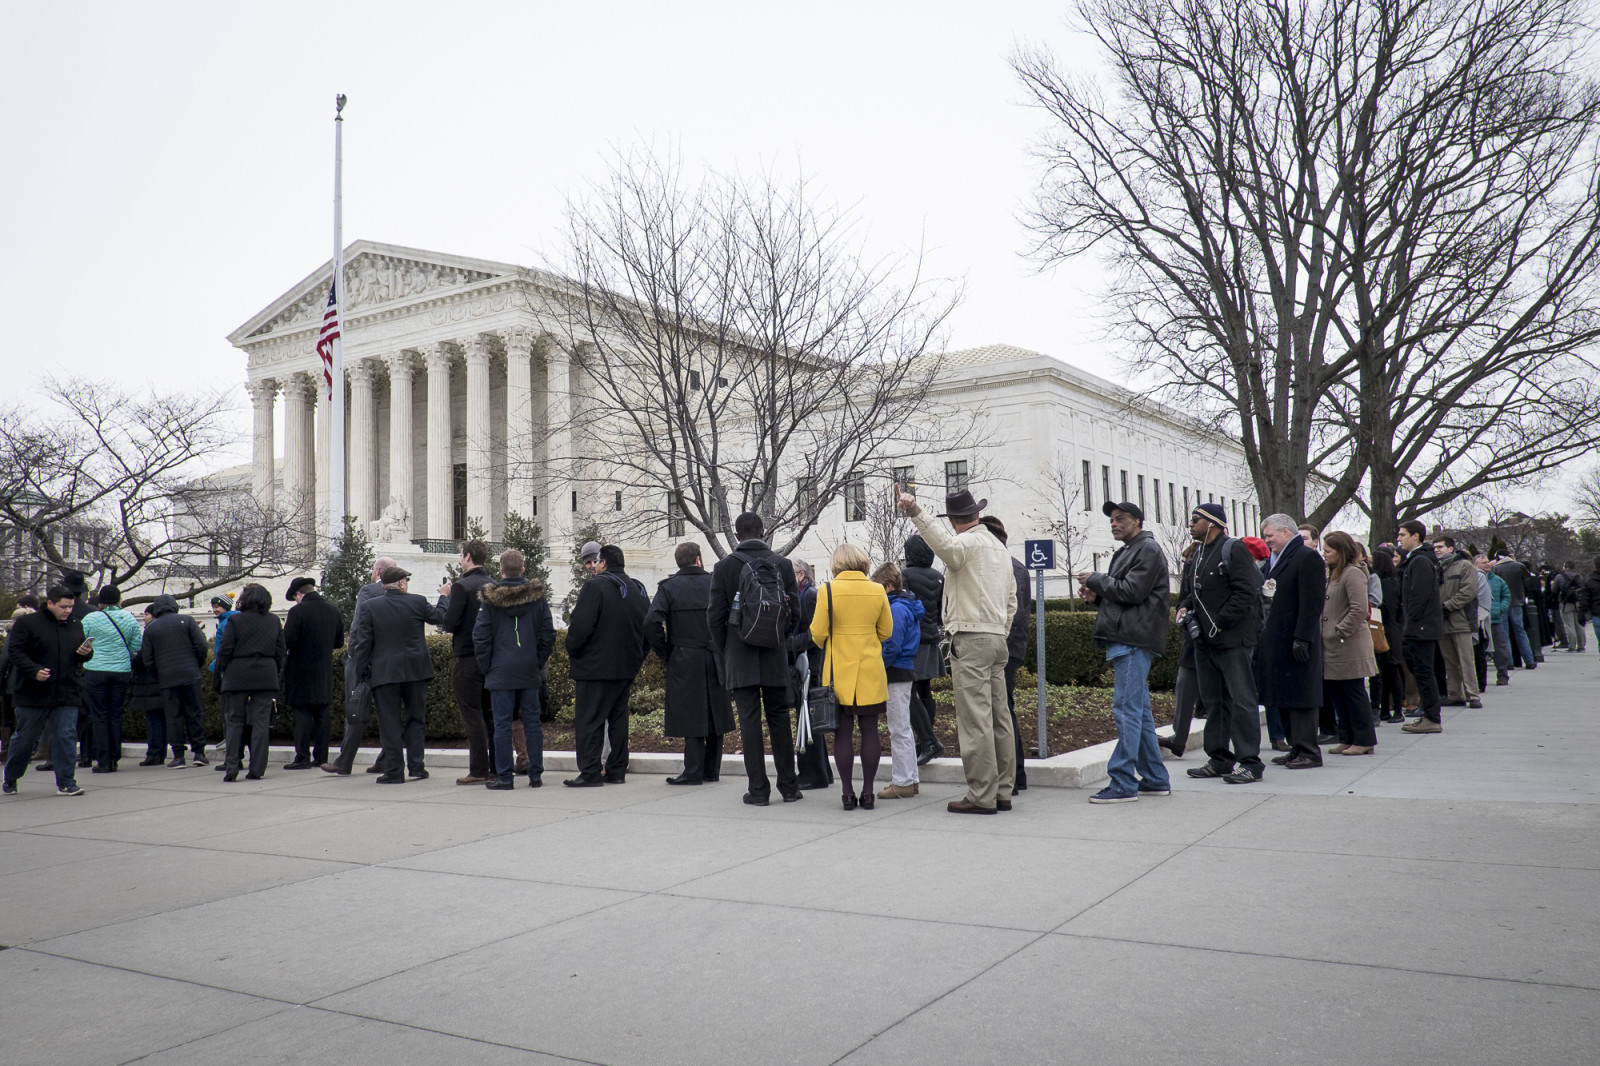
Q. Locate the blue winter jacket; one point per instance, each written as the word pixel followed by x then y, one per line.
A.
pixel 1500 599
pixel 900 650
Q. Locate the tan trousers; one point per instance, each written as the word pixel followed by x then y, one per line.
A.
pixel 1460 671
pixel 983 717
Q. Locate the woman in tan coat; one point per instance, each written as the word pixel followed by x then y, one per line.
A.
pixel 851 623
pixel 1347 659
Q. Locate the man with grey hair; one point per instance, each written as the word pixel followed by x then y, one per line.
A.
pixel 1288 665
pixel 389 646
pixel 358 696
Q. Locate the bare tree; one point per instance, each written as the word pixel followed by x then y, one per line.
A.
pixel 1060 513
pixel 1359 233
pixel 745 352
pixel 1586 496
pixel 127 474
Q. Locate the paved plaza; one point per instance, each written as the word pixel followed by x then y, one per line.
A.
pixel 1435 903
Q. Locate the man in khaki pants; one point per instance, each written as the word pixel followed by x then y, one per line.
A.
pixel 980 598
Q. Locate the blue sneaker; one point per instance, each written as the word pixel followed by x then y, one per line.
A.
pixel 1110 794
pixel 1147 789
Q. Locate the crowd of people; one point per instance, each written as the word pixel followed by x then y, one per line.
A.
pixel 1331 639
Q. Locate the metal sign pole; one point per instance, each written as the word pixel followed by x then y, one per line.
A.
pixel 1038 631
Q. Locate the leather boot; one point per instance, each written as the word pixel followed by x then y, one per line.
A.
pixel 519 744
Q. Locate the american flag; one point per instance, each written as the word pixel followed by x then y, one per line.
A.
pixel 330 333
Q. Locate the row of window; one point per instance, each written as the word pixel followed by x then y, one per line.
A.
pixel 1250 514
pixel 854 494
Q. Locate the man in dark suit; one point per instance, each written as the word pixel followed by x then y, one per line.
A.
pixel 459 598
pixel 357 691
pixel 605 648
pixel 758 677
pixel 1288 664
pixel 698 709
pixel 313 629
pixel 390 649
pixel 1421 622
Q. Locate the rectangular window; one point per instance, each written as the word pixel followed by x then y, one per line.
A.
pixel 1105 484
pixel 905 478
pixel 675 523
pixel 1172 503
pixel 574 499
pixel 1156 485
pixel 535 513
pixel 1141 493
pixel 1124 486
pixel 806 498
pixel 855 497
pixel 1088 487
pixel 955 477
pixel 1209 497
pixel 616 501
pixel 1235 514
pixel 694 375
pixel 458 508
pixel 1186 510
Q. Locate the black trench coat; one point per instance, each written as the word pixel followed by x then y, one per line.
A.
pixel 1293 613
pixel 678 631
pixel 314 628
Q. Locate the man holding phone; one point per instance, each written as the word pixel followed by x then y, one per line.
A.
pixel 48 649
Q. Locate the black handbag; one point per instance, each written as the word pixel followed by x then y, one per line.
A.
pixel 821 704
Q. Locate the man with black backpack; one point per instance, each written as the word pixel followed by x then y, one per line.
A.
pixel 1458 596
pixel 605 648
pixel 753 599
pixel 1568 587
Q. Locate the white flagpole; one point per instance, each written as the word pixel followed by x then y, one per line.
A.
pixel 336 460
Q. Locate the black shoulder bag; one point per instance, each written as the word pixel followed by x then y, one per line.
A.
pixel 821 702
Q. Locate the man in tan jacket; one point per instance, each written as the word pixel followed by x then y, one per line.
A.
pixel 980 598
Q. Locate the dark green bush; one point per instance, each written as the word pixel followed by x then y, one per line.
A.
pixel 1071 657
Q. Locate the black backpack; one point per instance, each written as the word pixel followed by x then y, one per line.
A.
pixel 760 612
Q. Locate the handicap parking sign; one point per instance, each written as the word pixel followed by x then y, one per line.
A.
pixel 1040 555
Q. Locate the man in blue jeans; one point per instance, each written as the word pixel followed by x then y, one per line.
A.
pixel 512 638
pixel 1515 575
pixel 47 648
pixel 1131 602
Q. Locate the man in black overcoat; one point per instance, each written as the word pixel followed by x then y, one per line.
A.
pixel 1421 622
pixel 388 643
pixel 698 708
pixel 605 648
pixel 757 677
pixel 1289 652
pixel 459 599
pixel 311 631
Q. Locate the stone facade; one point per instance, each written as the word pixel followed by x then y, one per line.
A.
pixel 462 382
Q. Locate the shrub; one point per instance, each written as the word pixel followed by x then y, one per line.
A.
pixel 1071 657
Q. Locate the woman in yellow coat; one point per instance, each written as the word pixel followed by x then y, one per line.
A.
pixel 858 612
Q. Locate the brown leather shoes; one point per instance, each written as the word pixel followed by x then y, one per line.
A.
pixel 1338 749
pixel 966 806
pixel 470 780
pixel 1357 749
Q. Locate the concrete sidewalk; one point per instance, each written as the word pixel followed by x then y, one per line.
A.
pixel 1433 903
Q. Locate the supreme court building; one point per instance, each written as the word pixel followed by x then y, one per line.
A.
pixel 462 380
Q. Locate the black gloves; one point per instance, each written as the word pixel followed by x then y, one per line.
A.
pixel 1301 652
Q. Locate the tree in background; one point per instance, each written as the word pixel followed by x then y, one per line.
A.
pixel 347 568
pixel 1361 235
pixel 744 350
pixel 475 531
pixel 527 537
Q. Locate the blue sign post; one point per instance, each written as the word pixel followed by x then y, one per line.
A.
pixel 1039 556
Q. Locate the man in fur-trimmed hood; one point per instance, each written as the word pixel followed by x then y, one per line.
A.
pixel 512 639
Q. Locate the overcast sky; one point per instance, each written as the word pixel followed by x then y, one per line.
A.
pixel 170 165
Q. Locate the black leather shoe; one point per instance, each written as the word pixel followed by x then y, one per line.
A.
pixel 684 779
pixel 374 769
pixel 756 800
pixel 849 801
pixel 1002 805
pixel 104 770
pixel 334 768
pixel 535 781
pixel 1327 738
pixel 791 797
pixel 1172 745
pixel 1205 770
pixel 867 800
pixel 253 777
pixel 1301 762
pixel 712 779
pixel 298 764
pixel 47 765
pixel 420 775
pixel 1279 760
pixel 497 785
pixel 391 779
pixel 583 781
pixel 923 755
pixel 615 779
pixel 154 760
pixel 230 776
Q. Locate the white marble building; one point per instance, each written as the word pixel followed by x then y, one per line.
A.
pixel 461 380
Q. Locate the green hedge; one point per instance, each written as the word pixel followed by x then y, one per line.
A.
pixel 1071 657
pixel 444 721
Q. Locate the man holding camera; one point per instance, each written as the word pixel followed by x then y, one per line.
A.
pixel 1220 606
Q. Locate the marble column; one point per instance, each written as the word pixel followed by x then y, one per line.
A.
pixel 441 480
pixel 362 500
pixel 299 392
pixel 558 441
pixel 480 436
pixel 263 454
pixel 520 488
pixel 401 367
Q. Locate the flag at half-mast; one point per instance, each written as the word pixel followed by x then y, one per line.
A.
pixel 330 333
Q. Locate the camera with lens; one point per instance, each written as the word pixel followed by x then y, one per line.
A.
pixel 1191 625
